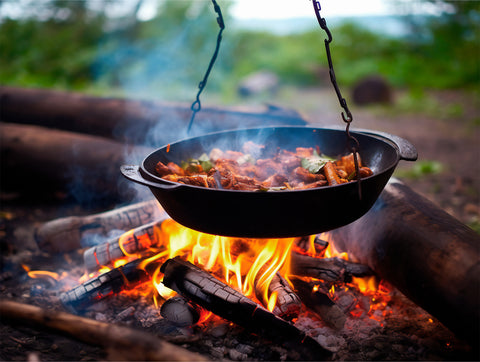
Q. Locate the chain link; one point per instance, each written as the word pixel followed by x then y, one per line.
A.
pixel 196 105
pixel 347 117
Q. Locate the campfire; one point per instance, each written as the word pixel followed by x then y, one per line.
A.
pixel 262 285
pixel 237 298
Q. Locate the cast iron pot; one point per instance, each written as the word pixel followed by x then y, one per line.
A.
pixel 272 214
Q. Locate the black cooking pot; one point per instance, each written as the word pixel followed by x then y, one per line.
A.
pixel 273 214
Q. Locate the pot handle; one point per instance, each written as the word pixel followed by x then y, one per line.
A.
pixel 406 150
pixel 132 172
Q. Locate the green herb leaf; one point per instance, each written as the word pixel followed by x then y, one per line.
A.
pixel 315 163
pixel 205 162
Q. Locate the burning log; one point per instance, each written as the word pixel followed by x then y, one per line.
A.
pixel 203 289
pixel 39 159
pixel 327 269
pixel 320 304
pixel 288 304
pixel 131 121
pixel 143 238
pixel 107 284
pixel 122 342
pixel 71 233
pixel 180 311
pixel 427 254
pixel 319 245
pixel 132 242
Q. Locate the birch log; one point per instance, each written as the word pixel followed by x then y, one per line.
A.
pixel 71 233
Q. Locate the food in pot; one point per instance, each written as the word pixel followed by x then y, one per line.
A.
pixel 305 168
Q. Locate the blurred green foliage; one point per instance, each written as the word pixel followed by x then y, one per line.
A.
pixel 419 169
pixel 70 45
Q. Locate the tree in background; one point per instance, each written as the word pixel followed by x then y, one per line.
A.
pixel 88 45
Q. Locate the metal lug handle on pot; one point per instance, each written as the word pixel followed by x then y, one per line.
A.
pixel 132 172
pixel 406 150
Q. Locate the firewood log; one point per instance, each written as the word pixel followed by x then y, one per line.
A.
pixel 127 343
pixel 70 233
pixel 37 159
pixel 180 312
pixel 320 304
pixel 288 304
pixel 427 254
pixel 327 269
pixel 319 245
pixel 105 285
pixel 134 241
pixel 127 120
pixel 203 289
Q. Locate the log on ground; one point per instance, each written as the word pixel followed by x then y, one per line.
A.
pixel 127 343
pixel 427 254
pixel 38 159
pixel 127 120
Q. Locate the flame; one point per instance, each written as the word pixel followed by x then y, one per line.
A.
pixel 366 285
pixel 331 251
pixel 41 274
pixel 248 265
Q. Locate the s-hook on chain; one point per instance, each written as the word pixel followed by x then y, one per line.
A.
pixel 196 106
pixel 353 143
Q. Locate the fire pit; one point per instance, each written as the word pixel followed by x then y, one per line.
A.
pixel 345 308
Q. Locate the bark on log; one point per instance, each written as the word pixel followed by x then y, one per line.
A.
pixel 38 159
pixel 318 248
pixel 203 289
pixel 288 304
pixel 133 242
pixel 427 254
pixel 105 285
pixel 320 304
pixel 71 233
pixel 127 343
pixel 132 121
pixel 327 269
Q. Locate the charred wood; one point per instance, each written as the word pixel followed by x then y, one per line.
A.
pixel 126 120
pixel 180 312
pixel 37 159
pixel 427 254
pixel 127 343
pixel 133 242
pixel 203 289
pixel 288 304
pixel 319 245
pixel 320 304
pixel 71 233
pixel 327 269
pixel 125 277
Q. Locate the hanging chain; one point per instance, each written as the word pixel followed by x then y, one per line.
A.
pixel 347 117
pixel 196 106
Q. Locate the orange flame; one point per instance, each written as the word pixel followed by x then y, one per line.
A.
pixel 248 265
pixel 41 274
